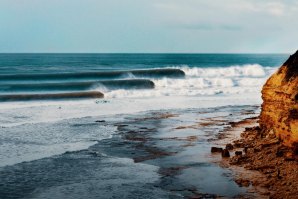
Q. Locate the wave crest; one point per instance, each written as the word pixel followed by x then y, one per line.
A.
pixel 205 81
pixel 249 70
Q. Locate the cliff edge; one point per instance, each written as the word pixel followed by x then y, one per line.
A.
pixel 279 115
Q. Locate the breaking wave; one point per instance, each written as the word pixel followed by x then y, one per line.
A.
pixel 170 81
pixel 205 81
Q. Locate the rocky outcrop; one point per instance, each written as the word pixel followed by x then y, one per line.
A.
pixel 279 116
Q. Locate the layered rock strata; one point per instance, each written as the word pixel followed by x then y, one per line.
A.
pixel 279 115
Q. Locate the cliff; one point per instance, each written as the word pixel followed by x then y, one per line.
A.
pixel 279 115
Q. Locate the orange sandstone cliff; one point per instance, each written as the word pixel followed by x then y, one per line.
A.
pixel 279 115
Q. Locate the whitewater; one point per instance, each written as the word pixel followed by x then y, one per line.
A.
pixel 36 129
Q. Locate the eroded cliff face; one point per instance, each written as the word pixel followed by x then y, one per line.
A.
pixel 279 114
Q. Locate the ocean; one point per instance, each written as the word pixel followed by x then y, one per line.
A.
pixel 132 75
pixel 67 121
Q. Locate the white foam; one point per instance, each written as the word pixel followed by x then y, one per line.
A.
pixel 32 131
pixel 251 70
pixel 199 82
pixel 14 114
pixel 31 142
pixel 204 81
pixel 201 88
pixel 190 83
pixel 251 82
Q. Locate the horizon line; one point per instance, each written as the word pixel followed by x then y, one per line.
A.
pixel 285 53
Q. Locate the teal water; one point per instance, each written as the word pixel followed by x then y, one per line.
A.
pixel 78 149
pixel 60 73
pixel 53 63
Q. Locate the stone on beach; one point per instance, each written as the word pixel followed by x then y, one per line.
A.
pixel 216 150
pixel 225 153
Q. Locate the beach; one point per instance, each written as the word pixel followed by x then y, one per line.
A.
pixel 108 99
pixel 156 154
pixel 130 142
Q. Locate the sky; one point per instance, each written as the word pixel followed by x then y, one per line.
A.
pixel 149 26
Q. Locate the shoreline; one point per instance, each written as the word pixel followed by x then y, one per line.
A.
pixel 177 152
pixel 271 147
pixel 240 174
pixel 265 167
pixel 174 145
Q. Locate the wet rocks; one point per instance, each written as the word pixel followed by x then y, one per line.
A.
pixel 225 153
pixel 216 150
pixel 238 144
pixel 245 149
pixel 276 162
pixel 243 182
pixel 229 147
pixel 255 128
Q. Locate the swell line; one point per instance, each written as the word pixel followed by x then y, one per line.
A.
pixel 55 96
pixel 78 86
pixel 150 73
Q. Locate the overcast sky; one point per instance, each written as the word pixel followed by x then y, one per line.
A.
pixel 179 26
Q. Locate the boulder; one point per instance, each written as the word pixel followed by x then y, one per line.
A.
pixel 225 153
pixel 216 150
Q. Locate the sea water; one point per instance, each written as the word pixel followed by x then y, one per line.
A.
pixel 130 83
pixel 33 130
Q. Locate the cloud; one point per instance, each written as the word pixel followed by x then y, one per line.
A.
pixel 238 25
pixel 275 8
pixel 225 14
pixel 148 25
pixel 211 27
